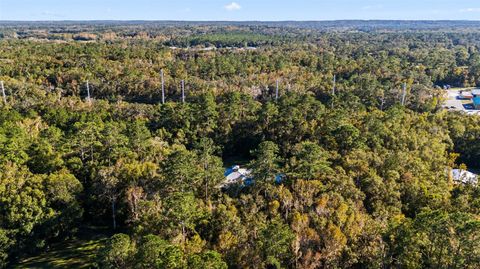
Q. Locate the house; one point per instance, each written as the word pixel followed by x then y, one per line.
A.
pixel 476 93
pixel 234 175
pixel 476 102
pixel 465 95
pixel 464 176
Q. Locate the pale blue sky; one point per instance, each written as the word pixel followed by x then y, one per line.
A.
pixel 264 10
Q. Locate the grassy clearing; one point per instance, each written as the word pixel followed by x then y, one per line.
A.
pixel 78 253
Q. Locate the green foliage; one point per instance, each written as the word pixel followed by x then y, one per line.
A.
pixel 208 259
pixel 365 180
pixel 276 242
pixel 265 165
pixel 182 213
pixel 117 253
pixel 309 161
pixel 180 174
pixel 5 243
pixel 436 239
pixel 154 252
pixel 22 199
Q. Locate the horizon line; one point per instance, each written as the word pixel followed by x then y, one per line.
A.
pixel 268 21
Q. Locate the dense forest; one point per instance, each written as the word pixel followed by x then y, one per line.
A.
pixel 365 176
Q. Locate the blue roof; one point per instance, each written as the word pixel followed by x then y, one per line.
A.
pixel 279 178
pixel 228 171
pixel 476 100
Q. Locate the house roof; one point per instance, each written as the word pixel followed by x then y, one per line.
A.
pixel 476 92
pixel 236 174
pixel 464 176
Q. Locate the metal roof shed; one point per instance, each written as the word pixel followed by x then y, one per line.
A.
pixel 476 92
pixel 476 102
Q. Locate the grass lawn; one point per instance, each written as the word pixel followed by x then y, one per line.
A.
pixel 75 253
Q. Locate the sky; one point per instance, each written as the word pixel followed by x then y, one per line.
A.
pixel 239 10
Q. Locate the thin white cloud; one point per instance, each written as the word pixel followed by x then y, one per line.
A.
pixel 50 14
pixel 370 7
pixel 471 9
pixel 233 6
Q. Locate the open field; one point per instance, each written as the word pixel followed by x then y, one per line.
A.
pixel 78 253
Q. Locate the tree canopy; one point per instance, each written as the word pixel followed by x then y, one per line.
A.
pixel 343 177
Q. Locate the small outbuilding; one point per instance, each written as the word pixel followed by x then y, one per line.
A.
pixel 235 175
pixel 465 95
pixel 476 102
pixel 476 93
pixel 240 176
pixel 464 176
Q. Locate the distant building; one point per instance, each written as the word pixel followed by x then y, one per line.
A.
pixel 464 176
pixel 476 93
pixel 236 175
pixel 476 102
pixel 279 178
pixel 465 95
pixel 241 176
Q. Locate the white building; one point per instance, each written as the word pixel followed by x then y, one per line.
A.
pixel 234 175
pixel 464 176
pixel 476 92
pixel 465 95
